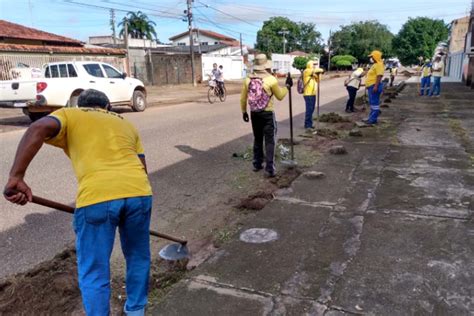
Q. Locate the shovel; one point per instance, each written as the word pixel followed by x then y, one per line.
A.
pixel 290 163
pixel 171 252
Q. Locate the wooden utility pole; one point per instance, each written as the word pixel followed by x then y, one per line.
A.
pixel 241 50
pixel 126 45
pixel 112 25
pixel 191 41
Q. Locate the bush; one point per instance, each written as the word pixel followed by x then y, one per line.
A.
pixel 300 62
pixel 343 61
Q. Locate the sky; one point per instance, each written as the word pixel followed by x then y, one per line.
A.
pixel 80 19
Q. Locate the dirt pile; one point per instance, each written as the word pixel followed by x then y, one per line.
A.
pixel 49 289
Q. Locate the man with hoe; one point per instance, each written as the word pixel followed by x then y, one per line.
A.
pixel 114 191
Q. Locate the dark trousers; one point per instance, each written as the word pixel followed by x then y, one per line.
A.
pixel 264 128
pixel 352 96
pixel 310 102
pixel 392 79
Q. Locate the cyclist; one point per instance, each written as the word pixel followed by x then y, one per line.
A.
pixel 218 76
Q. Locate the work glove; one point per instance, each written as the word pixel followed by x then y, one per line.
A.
pixel 289 81
pixel 245 117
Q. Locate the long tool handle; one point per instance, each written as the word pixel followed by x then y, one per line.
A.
pixel 69 209
pixel 290 100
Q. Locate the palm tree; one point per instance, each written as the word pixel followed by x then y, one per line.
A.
pixel 139 26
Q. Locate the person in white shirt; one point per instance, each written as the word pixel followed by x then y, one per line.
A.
pixel 218 75
pixel 437 73
pixel 353 84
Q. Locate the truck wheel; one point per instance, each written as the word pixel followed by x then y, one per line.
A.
pixel 72 102
pixel 138 101
pixel 34 116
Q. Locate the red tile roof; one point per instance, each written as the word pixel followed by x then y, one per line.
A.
pixel 207 33
pixel 298 53
pixel 60 49
pixel 17 31
pixel 233 43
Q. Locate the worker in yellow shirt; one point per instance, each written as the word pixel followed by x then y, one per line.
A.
pixel 311 77
pixel 425 78
pixel 257 94
pixel 393 74
pixel 374 85
pixel 114 191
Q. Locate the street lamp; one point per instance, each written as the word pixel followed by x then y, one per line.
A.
pixel 284 31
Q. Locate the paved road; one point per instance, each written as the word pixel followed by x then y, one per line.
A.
pixel 173 137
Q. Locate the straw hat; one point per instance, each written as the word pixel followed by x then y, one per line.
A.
pixel 261 62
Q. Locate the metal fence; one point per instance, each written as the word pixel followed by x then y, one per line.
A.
pixel 11 65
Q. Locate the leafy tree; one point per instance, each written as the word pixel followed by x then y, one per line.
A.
pixel 139 25
pixel 419 37
pixel 300 62
pixel 310 40
pixel 301 36
pixel 360 38
pixel 343 61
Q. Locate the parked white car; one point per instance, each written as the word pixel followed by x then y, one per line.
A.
pixel 62 82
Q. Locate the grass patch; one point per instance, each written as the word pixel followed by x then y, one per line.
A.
pixel 332 118
pixel 222 236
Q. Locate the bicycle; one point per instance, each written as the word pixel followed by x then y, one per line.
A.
pixel 215 92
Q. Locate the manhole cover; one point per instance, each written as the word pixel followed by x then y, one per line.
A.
pixel 258 235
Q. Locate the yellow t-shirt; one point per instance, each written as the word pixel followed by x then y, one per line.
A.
pixel 104 149
pixel 377 69
pixel 310 81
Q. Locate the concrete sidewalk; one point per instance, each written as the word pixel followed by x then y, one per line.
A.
pixel 387 231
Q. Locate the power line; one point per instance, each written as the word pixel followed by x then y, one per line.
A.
pixel 305 12
pixel 220 26
pixel 135 6
pixel 118 9
pixel 230 15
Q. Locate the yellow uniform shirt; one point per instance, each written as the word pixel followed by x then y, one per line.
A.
pixel 425 71
pixel 271 87
pixel 376 70
pixel 310 81
pixel 104 149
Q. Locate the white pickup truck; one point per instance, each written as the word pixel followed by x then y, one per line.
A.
pixel 62 82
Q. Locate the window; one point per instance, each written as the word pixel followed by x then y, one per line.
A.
pixel 94 70
pixel 54 71
pixel 181 44
pixel 62 71
pixel 216 43
pixel 204 43
pixel 111 72
pixel 46 73
pixel 71 70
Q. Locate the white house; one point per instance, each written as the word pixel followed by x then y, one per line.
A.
pixel 227 52
pixel 203 38
pixel 108 40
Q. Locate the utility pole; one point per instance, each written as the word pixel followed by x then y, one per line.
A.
pixel 112 25
pixel 241 50
pixel 126 45
pixel 284 32
pixel 191 41
pixel 329 52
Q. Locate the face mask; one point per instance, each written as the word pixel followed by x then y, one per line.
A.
pixel 372 60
